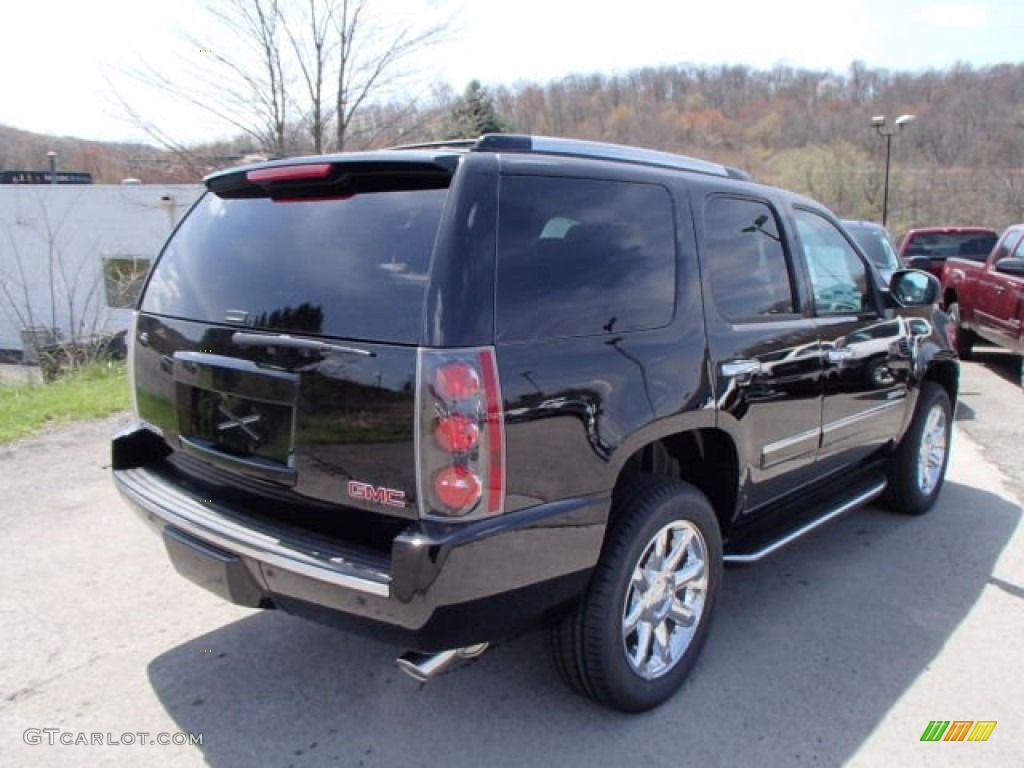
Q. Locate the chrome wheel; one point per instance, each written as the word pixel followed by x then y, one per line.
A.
pixel 881 375
pixel 665 599
pixel 931 457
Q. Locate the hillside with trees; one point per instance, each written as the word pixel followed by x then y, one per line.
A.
pixel 961 161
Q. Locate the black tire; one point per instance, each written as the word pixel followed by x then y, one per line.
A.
pixel 878 374
pixel 591 647
pixel 965 338
pixel 909 491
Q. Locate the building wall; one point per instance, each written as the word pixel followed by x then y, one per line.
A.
pixel 53 242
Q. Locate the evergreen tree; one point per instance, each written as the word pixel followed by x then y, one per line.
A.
pixel 474 114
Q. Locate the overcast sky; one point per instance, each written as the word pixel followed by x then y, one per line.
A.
pixel 60 57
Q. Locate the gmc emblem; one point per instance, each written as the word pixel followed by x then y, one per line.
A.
pixel 389 497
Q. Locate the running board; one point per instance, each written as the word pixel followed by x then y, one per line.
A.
pixel 750 552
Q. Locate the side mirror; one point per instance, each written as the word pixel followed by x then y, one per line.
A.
pixel 1011 265
pixel 922 263
pixel 914 288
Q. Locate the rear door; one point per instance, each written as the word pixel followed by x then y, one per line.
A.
pixel 765 352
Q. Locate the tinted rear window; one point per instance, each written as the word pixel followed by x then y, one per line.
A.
pixel 943 245
pixel 581 257
pixel 354 268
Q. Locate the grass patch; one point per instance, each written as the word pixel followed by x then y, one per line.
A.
pixel 90 393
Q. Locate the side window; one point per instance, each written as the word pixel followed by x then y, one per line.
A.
pixel 1018 252
pixel 749 275
pixel 839 279
pixel 582 257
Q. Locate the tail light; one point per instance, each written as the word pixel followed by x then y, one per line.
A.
pixel 460 435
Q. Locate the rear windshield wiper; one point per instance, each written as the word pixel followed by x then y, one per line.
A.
pixel 243 339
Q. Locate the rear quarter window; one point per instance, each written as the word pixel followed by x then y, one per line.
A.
pixel 583 257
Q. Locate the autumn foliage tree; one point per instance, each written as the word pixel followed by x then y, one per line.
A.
pixel 961 161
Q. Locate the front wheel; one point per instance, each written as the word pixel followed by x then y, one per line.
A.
pixel 918 468
pixel 643 621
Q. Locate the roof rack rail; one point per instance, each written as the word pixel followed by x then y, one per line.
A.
pixel 547 145
pixel 447 144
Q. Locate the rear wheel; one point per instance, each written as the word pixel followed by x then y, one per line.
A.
pixel 644 619
pixel 918 468
pixel 965 338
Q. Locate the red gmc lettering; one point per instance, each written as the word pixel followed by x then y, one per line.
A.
pixel 376 495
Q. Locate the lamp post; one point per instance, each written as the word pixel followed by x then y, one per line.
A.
pixel 878 123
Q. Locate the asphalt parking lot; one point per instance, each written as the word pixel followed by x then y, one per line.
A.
pixel 838 650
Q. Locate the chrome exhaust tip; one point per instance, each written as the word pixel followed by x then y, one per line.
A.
pixel 423 666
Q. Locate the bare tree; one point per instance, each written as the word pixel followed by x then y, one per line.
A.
pixel 369 55
pixel 313 53
pixel 44 289
pixel 275 69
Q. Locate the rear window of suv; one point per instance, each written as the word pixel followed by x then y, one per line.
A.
pixel 582 257
pixel 352 268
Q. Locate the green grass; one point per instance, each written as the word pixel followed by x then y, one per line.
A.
pixel 89 393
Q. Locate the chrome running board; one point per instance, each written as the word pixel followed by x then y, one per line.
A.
pixel 865 496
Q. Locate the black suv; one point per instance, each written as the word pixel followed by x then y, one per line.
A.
pixel 451 393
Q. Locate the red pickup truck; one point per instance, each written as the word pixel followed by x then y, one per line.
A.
pixel 929 247
pixel 986 300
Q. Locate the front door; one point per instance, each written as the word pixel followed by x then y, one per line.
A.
pixel 864 399
pixel 999 300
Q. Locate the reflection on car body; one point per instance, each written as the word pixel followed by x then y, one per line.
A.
pixel 875 347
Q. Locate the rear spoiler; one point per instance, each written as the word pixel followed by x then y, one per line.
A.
pixel 334 178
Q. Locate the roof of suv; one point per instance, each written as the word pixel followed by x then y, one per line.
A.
pixel 442 154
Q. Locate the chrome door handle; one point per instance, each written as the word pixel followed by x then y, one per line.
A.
pixel 733 368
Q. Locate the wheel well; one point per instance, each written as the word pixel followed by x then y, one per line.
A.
pixel 704 458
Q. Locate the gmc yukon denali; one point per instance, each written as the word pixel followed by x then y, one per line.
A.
pixel 986 299
pixel 451 393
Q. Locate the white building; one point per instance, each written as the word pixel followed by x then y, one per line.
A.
pixel 72 257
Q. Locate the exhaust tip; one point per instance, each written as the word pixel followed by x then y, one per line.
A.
pixel 421 667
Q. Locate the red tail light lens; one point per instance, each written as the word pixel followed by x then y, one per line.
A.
pixel 457 381
pixel 457 433
pixel 457 487
pixel 461 435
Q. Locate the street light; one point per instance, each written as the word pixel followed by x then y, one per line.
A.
pixel 878 122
